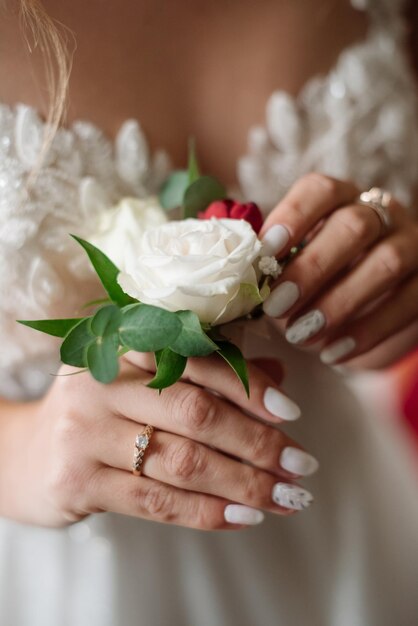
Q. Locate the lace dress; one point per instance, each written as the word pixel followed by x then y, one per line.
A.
pixel 350 560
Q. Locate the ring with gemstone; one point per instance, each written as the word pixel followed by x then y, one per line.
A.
pixel 378 200
pixel 141 444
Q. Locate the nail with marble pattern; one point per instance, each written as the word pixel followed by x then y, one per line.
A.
pixel 305 327
pixel 291 496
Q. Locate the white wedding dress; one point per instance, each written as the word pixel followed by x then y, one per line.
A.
pixel 352 558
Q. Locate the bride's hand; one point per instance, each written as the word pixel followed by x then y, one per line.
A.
pixel 353 288
pixel 82 444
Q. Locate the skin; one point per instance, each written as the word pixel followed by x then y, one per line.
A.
pixel 82 433
pixel 80 451
pixel 364 281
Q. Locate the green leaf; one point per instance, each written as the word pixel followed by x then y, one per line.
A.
pixel 102 358
pixel 106 321
pixel 94 302
pixel 170 367
pixel 233 356
pixel 106 271
pixel 193 168
pixel 200 194
pixel 75 344
pixel 192 340
pixel 148 328
pixel 57 328
pixel 172 192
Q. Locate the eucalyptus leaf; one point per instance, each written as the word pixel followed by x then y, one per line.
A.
pixel 75 344
pixel 233 356
pixel 148 328
pixel 172 193
pixel 56 328
pixel 102 358
pixel 200 194
pixel 170 367
pixel 106 271
pixel 106 321
pixel 192 340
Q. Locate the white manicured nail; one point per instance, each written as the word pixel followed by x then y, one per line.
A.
pixel 298 461
pixel 281 299
pixel 337 350
pixel 240 514
pixel 291 496
pixel 274 240
pixel 280 405
pixel 306 327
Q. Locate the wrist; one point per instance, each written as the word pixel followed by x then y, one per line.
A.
pixel 17 421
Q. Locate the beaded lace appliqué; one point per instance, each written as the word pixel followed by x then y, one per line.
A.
pixel 359 122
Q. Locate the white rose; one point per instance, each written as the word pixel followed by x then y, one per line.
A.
pixel 206 266
pixel 124 225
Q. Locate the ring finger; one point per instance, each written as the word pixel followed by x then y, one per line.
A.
pixel 189 465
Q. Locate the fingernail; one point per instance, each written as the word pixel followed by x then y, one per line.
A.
pixel 240 514
pixel 291 496
pixel 280 405
pixel 337 350
pixel 274 240
pixel 306 327
pixel 298 461
pixel 281 299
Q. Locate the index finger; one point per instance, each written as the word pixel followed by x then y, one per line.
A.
pixel 310 199
pixel 266 400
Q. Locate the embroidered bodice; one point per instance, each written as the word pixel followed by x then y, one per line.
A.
pixel 358 122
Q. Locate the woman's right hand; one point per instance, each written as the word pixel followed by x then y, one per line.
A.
pixel 82 442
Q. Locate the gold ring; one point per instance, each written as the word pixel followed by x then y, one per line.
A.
pixel 141 444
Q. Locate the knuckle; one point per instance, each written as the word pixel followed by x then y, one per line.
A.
pixel 67 476
pixel 256 488
pixel 337 305
pixel 317 266
pixel 66 486
pixel 328 184
pixel 208 517
pixel 197 411
pixel 67 428
pixel 294 207
pixel 261 441
pixel 156 500
pixel 354 222
pixel 185 461
pixel 391 260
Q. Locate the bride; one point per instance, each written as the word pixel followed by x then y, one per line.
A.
pixel 324 93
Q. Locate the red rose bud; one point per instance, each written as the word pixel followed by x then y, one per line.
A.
pixel 236 211
pixel 218 209
pixel 248 212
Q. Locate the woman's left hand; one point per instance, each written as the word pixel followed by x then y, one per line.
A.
pixel 354 286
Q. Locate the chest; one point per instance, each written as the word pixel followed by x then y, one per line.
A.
pixel 197 68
